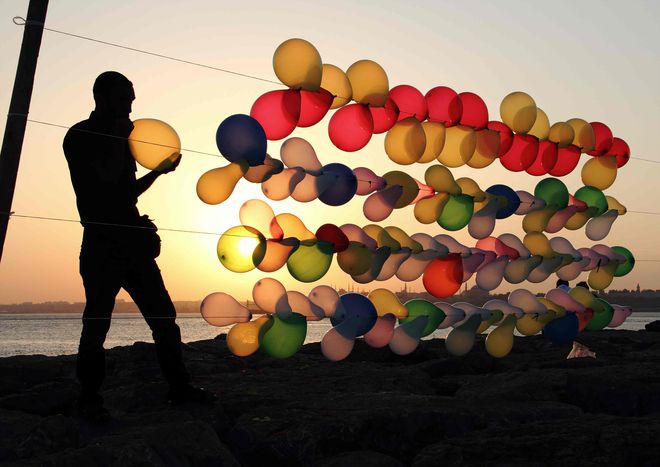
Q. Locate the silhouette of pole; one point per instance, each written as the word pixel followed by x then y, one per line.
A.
pixel 12 142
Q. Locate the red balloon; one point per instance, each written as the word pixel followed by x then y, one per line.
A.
pixel 351 127
pixel 604 139
pixel 444 105
pixel 410 101
pixel 313 106
pixel 498 246
pixel 277 112
pixel 567 160
pixel 384 117
pixel 584 317
pixel 545 160
pixel 522 153
pixel 443 276
pixel 506 136
pixel 620 150
pixel 475 112
pixel 332 234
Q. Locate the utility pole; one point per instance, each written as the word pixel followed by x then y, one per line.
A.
pixel 12 142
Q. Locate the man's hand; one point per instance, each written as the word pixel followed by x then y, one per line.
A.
pixel 172 167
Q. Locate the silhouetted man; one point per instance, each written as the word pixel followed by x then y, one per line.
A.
pixel 119 245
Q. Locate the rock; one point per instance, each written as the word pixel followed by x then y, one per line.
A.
pixel 43 399
pixel 653 326
pixel 360 459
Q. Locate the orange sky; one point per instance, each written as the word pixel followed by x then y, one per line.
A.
pixel 590 59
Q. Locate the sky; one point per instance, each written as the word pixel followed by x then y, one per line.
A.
pixel 597 60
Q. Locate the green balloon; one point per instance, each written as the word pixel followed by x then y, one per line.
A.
pixel 310 261
pixel 457 212
pixel 553 192
pixel 418 307
pixel 281 338
pixel 594 198
pixel 603 313
pixel 624 268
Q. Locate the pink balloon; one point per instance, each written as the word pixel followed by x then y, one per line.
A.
pixel 567 160
pixel 351 127
pixel 546 158
pixel 313 106
pixel 521 154
pixel 381 334
pixel 410 101
pixel 444 106
pixel 384 117
pixel 277 112
pixel 475 112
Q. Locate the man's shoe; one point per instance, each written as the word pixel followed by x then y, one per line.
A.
pixel 188 393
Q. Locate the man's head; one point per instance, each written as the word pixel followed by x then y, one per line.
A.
pixel 561 282
pixel 113 94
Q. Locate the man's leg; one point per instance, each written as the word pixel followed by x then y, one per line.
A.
pixel 145 285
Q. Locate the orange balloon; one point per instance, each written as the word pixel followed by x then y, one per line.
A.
pixel 443 276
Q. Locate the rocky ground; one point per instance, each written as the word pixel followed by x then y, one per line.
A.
pixel 532 408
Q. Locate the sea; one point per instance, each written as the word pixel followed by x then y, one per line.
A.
pixel 58 334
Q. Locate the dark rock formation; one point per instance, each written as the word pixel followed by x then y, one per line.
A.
pixel 531 408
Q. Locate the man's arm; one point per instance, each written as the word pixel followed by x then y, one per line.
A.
pixel 144 182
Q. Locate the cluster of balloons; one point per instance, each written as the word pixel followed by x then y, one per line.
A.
pixel 281 330
pixel 268 242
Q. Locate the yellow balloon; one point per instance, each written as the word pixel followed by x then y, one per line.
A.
pixel 538 244
pixel 578 220
pixel 241 248
pixel 487 149
pixel 499 342
pixel 529 324
pixel 562 133
pixel 243 338
pixel 216 185
pixel 601 278
pixel 409 185
pixel 518 111
pixel 441 179
pixel 613 203
pixel 405 142
pixel 386 302
pixel 541 127
pixel 382 237
pixel 435 141
pixel 403 239
pixel 154 144
pixel 600 172
pixel 460 143
pixel 582 296
pixel 292 226
pixel 336 82
pixel 298 65
pixel 369 82
pixel 536 221
pixel 428 210
pixel 470 187
pixel 584 134
pixel 554 310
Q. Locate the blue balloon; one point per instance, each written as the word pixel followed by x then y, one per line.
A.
pixel 510 199
pixel 343 188
pixel 359 308
pixel 241 137
pixel 562 330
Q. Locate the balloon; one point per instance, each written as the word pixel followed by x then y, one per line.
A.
pixel 335 81
pixel 270 296
pixel 475 112
pixel 314 105
pixel 541 127
pixel 418 307
pixel 384 117
pixel 410 189
pixel 456 213
pixel 562 331
pixel 500 341
pixel 338 342
pixel 381 334
pixel 356 306
pixel 243 338
pixel 217 185
pixel 526 301
pixel 405 338
pixel 505 134
pixel 410 101
pixel 461 339
pixel 459 147
pixel 598 227
pixel 453 315
pixel 442 180
pixel 298 65
pixel 380 205
pixel 356 259
pixel 546 159
pixel 522 153
pixel 155 145
pixel 490 276
pixel 600 172
pixel 343 188
pixel 386 302
pixel 261 173
pixel 277 112
pixel 333 235
pixel 443 276
pixel 482 223
pixel 529 324
pixel 288 225
pixel 311 187
pixel 518 111
pixel 369 82
pixel 241 137
pixel 282 185
pixel 283 337
pixel 221 309
pixel 367 181
pixel 508 200
pixel 310 261
pixel 326 298
pixel 567 160
pixel 553 191
pixel 487 149
pixel 594 198
pixel 562 133
pixel 584 138
pixel 405 141
pixel 301 304
pixel 603 314
pixel 620 150
pixel 428 210
pixel 444 106
pixel 624 268
pixel 351 127
pixel 603 139
pixel 620 315
pixel 258 214
pixel 241 248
